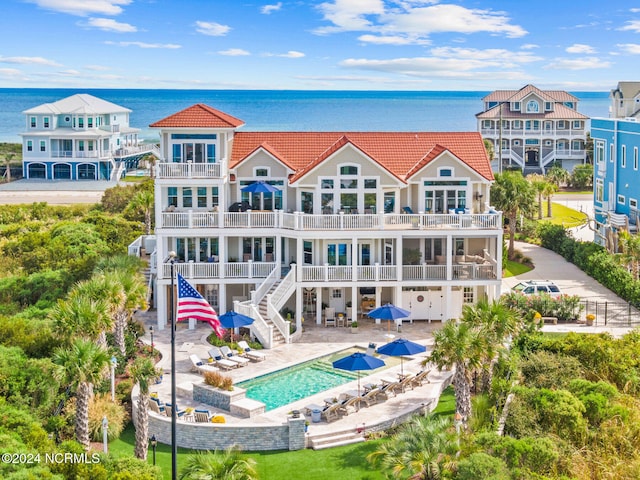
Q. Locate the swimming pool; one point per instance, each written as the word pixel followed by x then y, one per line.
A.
pixel 303 380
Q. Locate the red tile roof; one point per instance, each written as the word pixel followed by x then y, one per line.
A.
pixel 199 116
pixel 401 153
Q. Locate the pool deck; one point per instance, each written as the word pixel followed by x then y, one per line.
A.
pixel 316 341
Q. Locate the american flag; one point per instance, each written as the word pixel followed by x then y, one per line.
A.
pixel 192 305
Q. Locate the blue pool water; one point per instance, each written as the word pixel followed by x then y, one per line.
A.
pixel 300 381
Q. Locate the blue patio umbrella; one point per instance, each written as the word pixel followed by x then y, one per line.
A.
pixel 389 312
pixel 260 187
pixel 400 347
pixel 233 320
pixel 358 361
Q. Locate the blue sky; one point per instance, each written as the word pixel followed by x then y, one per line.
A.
pixel 331 44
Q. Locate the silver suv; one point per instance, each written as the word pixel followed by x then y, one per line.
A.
pixel 533 287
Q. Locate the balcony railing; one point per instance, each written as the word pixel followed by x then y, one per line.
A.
pixel 220 270
pixel 74 154
pixel 188 170
pixel 301 221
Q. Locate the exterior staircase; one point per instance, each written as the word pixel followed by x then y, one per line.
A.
pixel 278 338
pixel 334 439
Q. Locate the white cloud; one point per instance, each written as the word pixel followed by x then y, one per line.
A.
pixel 212 28
pixel 83 8
pixel 586 63
pixel 580 48
pixel 413 20
pixel 289 54
pixel 29 61
pixel 109 25
pixel 632 25
pixel 11 72
pixel 97 68
pixel 631 48
pixel 529 46
pixel 234 52
pixel 144 45
pixel 267 9
pixel 390 40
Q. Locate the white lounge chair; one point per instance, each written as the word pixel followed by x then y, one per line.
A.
pixel 254 355
pixel 197 365
pixel 202 416
pixel 234 357
pixel 219 359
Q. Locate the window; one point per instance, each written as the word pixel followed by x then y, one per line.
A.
pixel 202 197
pixel 326 183
pixel 307 248
pixel 635 158
pixel 187 197
pixel 633 203
pixel 599 189
pixel 467 295
pixel 43 146
pixel 517 124
pixel 612 153
pixel 548 106
pixel 177 152
pixel 621 199
pixel 215 198
pixel 623 156
pixel 90 122
pixel 569 105
pixel 599 152
pixel 336 293
pixel 370 183
pixel 532 125
pixel 445 172
pixel 577 124
pixel 90 145
pixel 561 125
pixel 80 122
pixel 262 172
pixel 348 170
pixel 29 145
pixel 33 122
pixel 533 106
pixel 348 183
pixel 81 145
pixel 172 196
pixel 486 124
pixel 515 106
pixel 46 122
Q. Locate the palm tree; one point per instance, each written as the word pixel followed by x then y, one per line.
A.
pixel 8 157
pixel 629 246
pixel 212 465
pixel 423 448
pixel 142 372
pixel 549 190
pixel 538 181
pixel 81 316
pixel 80 366
pixel 123 262
pixel 459 345
pixel 513 195
pixel 558 176
pixel 143 200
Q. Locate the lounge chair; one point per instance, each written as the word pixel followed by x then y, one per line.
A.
pixel 197 365
pixel 373 396
pixel 407 210
pixel 308 410
pixel 421 378
pixel 407 382
pixel 156 406
pixel 332 412
pixel 202 416
pixel 220 361
pixel 234 357
pixel 389 387
pixel 168 411
pixel 352 402
pixel 251 354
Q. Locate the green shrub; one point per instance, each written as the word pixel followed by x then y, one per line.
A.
pixel 482 466
pixel 549 370
pixel 101 406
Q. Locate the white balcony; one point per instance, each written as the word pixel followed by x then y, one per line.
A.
pixel 204 270
pixel 300 221
pixel 188 170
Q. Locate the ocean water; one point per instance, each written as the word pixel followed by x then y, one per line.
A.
pixel 287 110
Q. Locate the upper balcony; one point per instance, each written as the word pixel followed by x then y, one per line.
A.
pixel 188 170
pixel 300 221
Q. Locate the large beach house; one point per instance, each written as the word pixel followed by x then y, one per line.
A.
pixel 533 129
pixel 80 137
pixel 616 178
pixel 302 226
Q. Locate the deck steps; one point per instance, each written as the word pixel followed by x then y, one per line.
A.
pixel 336 439
pixel 278 338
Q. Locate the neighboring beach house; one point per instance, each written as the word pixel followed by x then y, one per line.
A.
pixel 536 128
pixel 616 179
pixel 323 223
pixel 80 137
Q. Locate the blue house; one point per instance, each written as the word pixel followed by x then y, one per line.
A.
pixel 616 177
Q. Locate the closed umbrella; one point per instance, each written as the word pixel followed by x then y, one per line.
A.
pixel 389 312
pixel 358 361
pixel 400 347
pixel 233 320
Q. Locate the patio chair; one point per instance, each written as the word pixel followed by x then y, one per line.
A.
pixel 156 406
pixel 421 378
pixel 197 365
pixel 390 387
pixel 373 396
pixel 234 357
pixel 220 361
pixel 202 416
pixel 251 354
pixel 329 317
pixel 407 210
pixel 168 411
pixel 407 382
pixel 331 413
pixel 353 402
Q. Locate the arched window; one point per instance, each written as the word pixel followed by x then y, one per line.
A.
pixel 532 106
pixel 37 170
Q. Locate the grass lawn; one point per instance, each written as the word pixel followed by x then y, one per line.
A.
pixel 513 269
pixel 565 216
pixel 340 463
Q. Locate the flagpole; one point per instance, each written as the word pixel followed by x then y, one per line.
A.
pixel 174 417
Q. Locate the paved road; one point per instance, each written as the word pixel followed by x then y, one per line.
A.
pixel 56 192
